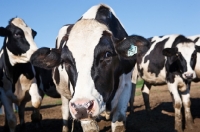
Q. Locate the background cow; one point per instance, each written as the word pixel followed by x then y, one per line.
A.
pixel 18 82
pixel 196 40
pixel 169 60
pixel 93 57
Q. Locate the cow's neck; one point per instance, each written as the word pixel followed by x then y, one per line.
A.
pixel 142 50
pixel 9 69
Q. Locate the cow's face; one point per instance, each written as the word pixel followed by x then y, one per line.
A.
pixel 182 58
pixel 18 41
pixel 94 61
pixel 93 67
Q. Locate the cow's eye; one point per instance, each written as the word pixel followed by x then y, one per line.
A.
pixel 178 55
pixel 17 35
pixel 108 54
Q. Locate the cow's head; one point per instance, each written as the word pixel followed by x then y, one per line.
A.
pixel 182 57
pixel 94 58
pixel 18 42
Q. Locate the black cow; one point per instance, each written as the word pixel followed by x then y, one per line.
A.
pixel 170 60
pixel 18 83
pixel 97 63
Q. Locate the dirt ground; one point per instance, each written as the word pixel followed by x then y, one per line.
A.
pixel 160 100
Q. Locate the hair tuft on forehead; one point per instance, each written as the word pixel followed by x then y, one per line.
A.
pixel 18 21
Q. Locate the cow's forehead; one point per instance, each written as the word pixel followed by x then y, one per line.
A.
pixel 18 22
pixel 83 39
pixel 92 12
pixel 186 48
pixel 85 35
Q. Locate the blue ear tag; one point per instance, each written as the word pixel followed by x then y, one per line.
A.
pixel 132 50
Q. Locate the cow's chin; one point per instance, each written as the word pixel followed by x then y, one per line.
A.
pixel 89 126
pixel 88 119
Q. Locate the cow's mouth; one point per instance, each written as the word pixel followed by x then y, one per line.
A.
pixel 188 76
pixel 84 111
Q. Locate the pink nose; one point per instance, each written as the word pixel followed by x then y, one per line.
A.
pixel 189 75
pixel 82 108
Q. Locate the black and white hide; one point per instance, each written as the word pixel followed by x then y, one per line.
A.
pixel 168 60
pixel 94 61
pixel 18 83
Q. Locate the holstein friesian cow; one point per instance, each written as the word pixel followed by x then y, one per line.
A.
pixel 170 60
pixel 196 40
pixel 18 83
pixel 98 65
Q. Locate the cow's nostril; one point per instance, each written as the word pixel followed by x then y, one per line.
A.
pixel 73 105
pixel 90 105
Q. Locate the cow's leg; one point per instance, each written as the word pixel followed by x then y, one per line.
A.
pixel 10 118
pixel 65 113
pixel 186 103
pixel 6 127
pixel 36 100
pixel 21 109
pixel 177 106
pixel 145 93
pixel 131 101
pixel 119 106
pixel 134 81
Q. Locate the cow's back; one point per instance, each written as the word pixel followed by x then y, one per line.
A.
pixel 152 66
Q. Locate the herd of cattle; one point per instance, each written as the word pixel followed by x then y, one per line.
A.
pixel 91 68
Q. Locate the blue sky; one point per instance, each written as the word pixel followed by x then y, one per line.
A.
pixel 143 17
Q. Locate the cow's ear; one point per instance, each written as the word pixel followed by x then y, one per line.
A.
pixel 34 33
pixel 4 32
pixel 197 48
pixel 106 16
pixel 170 52
pixel 131 45
pixel 46 58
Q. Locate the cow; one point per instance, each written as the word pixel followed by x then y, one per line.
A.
pixel 96 64
pixel 170 60
pixel 196 40
pixel 18 82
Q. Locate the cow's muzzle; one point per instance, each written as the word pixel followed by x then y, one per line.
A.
pixel 189 76
pixel 82 110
